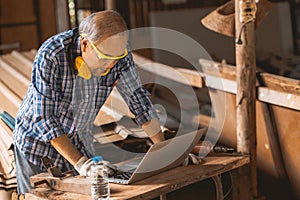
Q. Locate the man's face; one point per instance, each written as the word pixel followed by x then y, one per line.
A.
pixel 99 57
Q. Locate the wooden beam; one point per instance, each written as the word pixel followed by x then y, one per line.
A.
pixel 110 4
pixel 12 99
pixel 30 54
pixel 13 79
pixel 279 98
pixel 184 76
pixel 133 23
pixel 62 15
pixel 273 89
pixel 15 62
pixel 246 90
pixel 28 63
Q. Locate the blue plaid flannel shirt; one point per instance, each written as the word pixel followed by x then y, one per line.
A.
pixel 60 102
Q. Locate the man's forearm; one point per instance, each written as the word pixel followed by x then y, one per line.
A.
pixel 158 137
pixel 153 130
pixel 65 147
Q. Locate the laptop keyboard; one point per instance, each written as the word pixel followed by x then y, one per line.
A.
pixel 124 175
pixel 121 177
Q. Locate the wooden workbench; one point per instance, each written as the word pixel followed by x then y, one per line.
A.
pixel 158 185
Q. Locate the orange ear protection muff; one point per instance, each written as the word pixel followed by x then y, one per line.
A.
pixel 82 68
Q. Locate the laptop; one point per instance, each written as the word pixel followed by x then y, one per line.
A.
pixel 160 157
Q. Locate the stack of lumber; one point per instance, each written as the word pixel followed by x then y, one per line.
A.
pixel 15 72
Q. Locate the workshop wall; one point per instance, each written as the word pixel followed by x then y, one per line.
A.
pixel 26 22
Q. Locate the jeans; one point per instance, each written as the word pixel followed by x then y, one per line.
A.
pixel 24 169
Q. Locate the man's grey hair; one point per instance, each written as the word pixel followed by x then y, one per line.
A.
pixel 101 25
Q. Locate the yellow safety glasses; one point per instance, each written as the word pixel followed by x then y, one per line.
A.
pixel 103 56
pixel 84 71
pixel 100 55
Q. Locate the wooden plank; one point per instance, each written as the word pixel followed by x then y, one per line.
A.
pixel 10 102
pixel 287 122
pixel 5 135
pixel 133 22
pixel 13 79
pixel 30 54
pixel 279 98
pixel 184 76
pixel 26 35
pixel 62 15
pixel 280 83
pixel 116 102
pixel 46 193
pixel 271 81
pixel 217 69
pixel 47 17
pixel 16 11
pixel 109 139
pixel 222 84
pixel 8 183
pixel 153 186
pixel 145 11
pixel 110 4
pixel 28 63
pixel 273 89
pixel 17 64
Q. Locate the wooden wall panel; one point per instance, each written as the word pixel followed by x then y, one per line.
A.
pixel 21 22
pixel 16 11
pixel 47 19
pixel 139 10
pixel 287 122
pixel 26 35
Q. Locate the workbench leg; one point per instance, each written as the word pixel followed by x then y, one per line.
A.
pixel 163 197
pixel 219 188
pixel 240 186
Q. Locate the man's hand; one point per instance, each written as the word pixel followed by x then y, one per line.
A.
pixel 83 166
pixel 191 159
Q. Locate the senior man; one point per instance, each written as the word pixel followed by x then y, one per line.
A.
pixel 73 74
